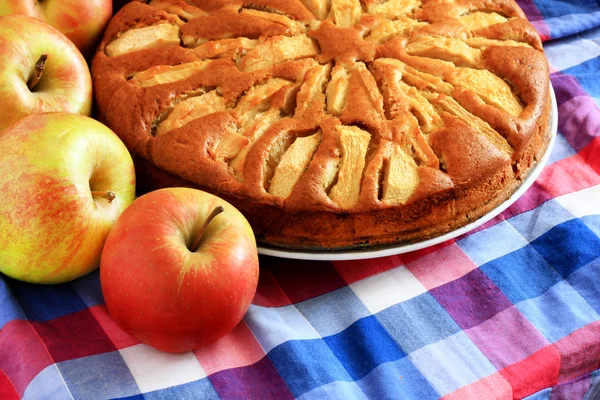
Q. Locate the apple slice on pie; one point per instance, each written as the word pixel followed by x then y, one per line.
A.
pixel 293 164
pixel 143 38
pixel 354 143
pixel 161 74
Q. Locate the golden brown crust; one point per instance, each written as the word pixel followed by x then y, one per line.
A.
pixel 418 117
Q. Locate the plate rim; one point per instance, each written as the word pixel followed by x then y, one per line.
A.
pixel 348 255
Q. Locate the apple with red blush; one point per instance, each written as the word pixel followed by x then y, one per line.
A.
pixel 41 71
pixel 65 180
pixel 179 269
pixel 82 21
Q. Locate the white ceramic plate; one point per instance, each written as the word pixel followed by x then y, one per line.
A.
pixel 382 251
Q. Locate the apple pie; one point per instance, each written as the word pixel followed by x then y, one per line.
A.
pixel 330 123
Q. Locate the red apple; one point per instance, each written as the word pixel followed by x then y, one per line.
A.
pixel 82 21
pixel 40 71
pixel 176 275
pixel 65 179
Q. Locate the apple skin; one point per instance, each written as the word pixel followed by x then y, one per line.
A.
pixel 82 21
pixel 65 85
pixel 51 227
pixel 164 294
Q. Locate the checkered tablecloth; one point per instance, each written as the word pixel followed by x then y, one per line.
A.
pixel 511 310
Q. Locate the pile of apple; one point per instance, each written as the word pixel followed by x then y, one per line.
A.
pixel 178 266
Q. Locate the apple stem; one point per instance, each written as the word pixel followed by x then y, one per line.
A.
pixel 196 243
pixel 39 70
pixel 107 194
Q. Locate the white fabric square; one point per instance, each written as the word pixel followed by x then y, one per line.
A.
pixel 579 50
pixel 452 363
pixel 484 246
pixel 341 303
pixel 583 203
pixel 48 384
pixel 154 369
pixel 383 290
pixel 335 390
pixel 273 326
pixel 534 223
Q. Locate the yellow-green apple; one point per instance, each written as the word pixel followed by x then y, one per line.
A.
pixel 65 180
pixel 41 71
pixel 82 21
pixel 179 269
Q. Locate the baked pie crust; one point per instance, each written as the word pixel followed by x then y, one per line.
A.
pixel 330 123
